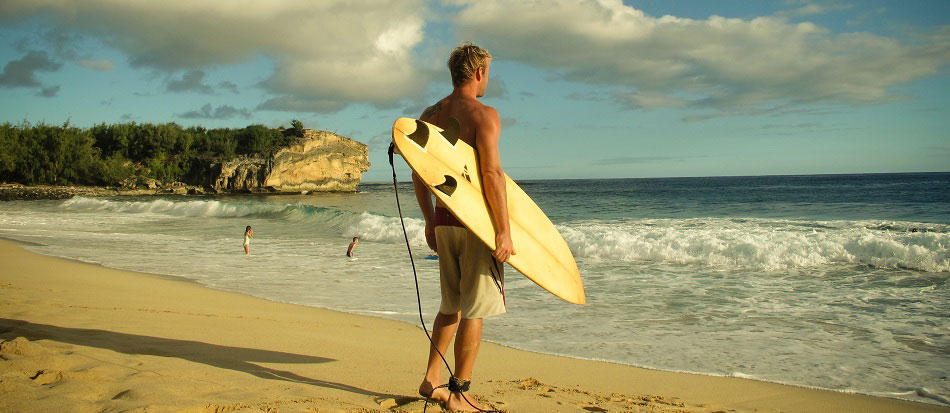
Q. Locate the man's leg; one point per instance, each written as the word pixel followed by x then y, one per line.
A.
pixel 442 331
pixel 467 341
pixel 466 347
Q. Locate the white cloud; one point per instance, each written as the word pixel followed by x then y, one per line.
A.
pixel 48 92
pixel 331 53
pixel 191 81
pixel 229 86
pixel 811 7
pixel 220 112
pixel 102 65
pixel 339 50
pixel 290 103
pixel 496 89
pixel 647 100
pixel 722 63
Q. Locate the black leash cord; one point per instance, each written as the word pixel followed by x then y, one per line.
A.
pixel 415 277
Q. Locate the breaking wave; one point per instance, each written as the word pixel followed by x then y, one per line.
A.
pixel 730 243
pixel 764 243
pixel 758 243
pixel 210 209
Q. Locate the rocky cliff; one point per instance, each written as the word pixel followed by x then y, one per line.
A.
pixel 318 161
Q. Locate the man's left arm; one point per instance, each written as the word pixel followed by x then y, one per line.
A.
pixel 493 181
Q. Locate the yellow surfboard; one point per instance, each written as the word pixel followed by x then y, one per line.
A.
pixel 449 167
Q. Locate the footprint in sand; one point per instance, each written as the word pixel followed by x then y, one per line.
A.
pixel 406 404
pixel 47 377
pixel 600 402
pixel 124 395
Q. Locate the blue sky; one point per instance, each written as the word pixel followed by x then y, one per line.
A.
pixel 586 89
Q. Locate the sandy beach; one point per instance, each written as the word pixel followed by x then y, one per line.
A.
pixel 80 337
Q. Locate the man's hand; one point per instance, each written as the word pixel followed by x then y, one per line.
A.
pixel 430 237
pixel 503 247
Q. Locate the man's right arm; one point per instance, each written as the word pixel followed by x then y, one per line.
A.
pixel 423 196
pixel 428 211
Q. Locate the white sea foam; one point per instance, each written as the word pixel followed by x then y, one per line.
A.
pixel 728 243
pixel 326 218
pixel 760 243
pixel 924 392
pixel 374 227
pixel 175 208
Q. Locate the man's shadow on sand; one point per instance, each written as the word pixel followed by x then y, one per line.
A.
pixel 232 358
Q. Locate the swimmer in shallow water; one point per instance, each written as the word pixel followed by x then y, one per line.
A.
pixel 349 251
pixel 248 234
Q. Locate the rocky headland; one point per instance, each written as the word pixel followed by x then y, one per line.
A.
pixel 320 161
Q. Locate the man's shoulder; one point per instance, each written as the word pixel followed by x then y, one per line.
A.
pixel 471 110
pixel 431 111
pixel 485 113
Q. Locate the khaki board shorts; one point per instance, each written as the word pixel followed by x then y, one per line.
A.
pixel 466 267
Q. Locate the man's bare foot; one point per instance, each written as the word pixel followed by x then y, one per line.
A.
pixel 427 389
pixel 457 403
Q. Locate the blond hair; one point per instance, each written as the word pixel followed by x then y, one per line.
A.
pixel 465 61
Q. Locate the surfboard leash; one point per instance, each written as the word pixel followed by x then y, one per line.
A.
pixel 454 384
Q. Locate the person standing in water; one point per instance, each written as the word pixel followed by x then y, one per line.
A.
pixel 471 276
pixel 349 251
pixel 248 234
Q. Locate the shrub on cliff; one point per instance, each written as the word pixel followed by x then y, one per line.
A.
pixel 296 128
pixel 257 139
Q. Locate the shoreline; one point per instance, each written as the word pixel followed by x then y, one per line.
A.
pixel 24 244
pixel 189 312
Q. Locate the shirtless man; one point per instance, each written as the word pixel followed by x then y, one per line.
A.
pixel 471 278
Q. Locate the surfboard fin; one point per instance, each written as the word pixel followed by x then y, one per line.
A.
pixel 447 187
pixel 451 132
pixel 421 135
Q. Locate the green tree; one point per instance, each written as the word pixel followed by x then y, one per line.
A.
pixel 297 127
pixel 10 149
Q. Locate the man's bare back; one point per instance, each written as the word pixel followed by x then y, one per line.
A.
pixel 467 111
pixel 471 115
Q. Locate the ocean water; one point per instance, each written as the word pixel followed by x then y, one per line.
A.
pixel 836 282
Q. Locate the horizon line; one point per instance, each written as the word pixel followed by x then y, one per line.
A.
pixel 709 176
